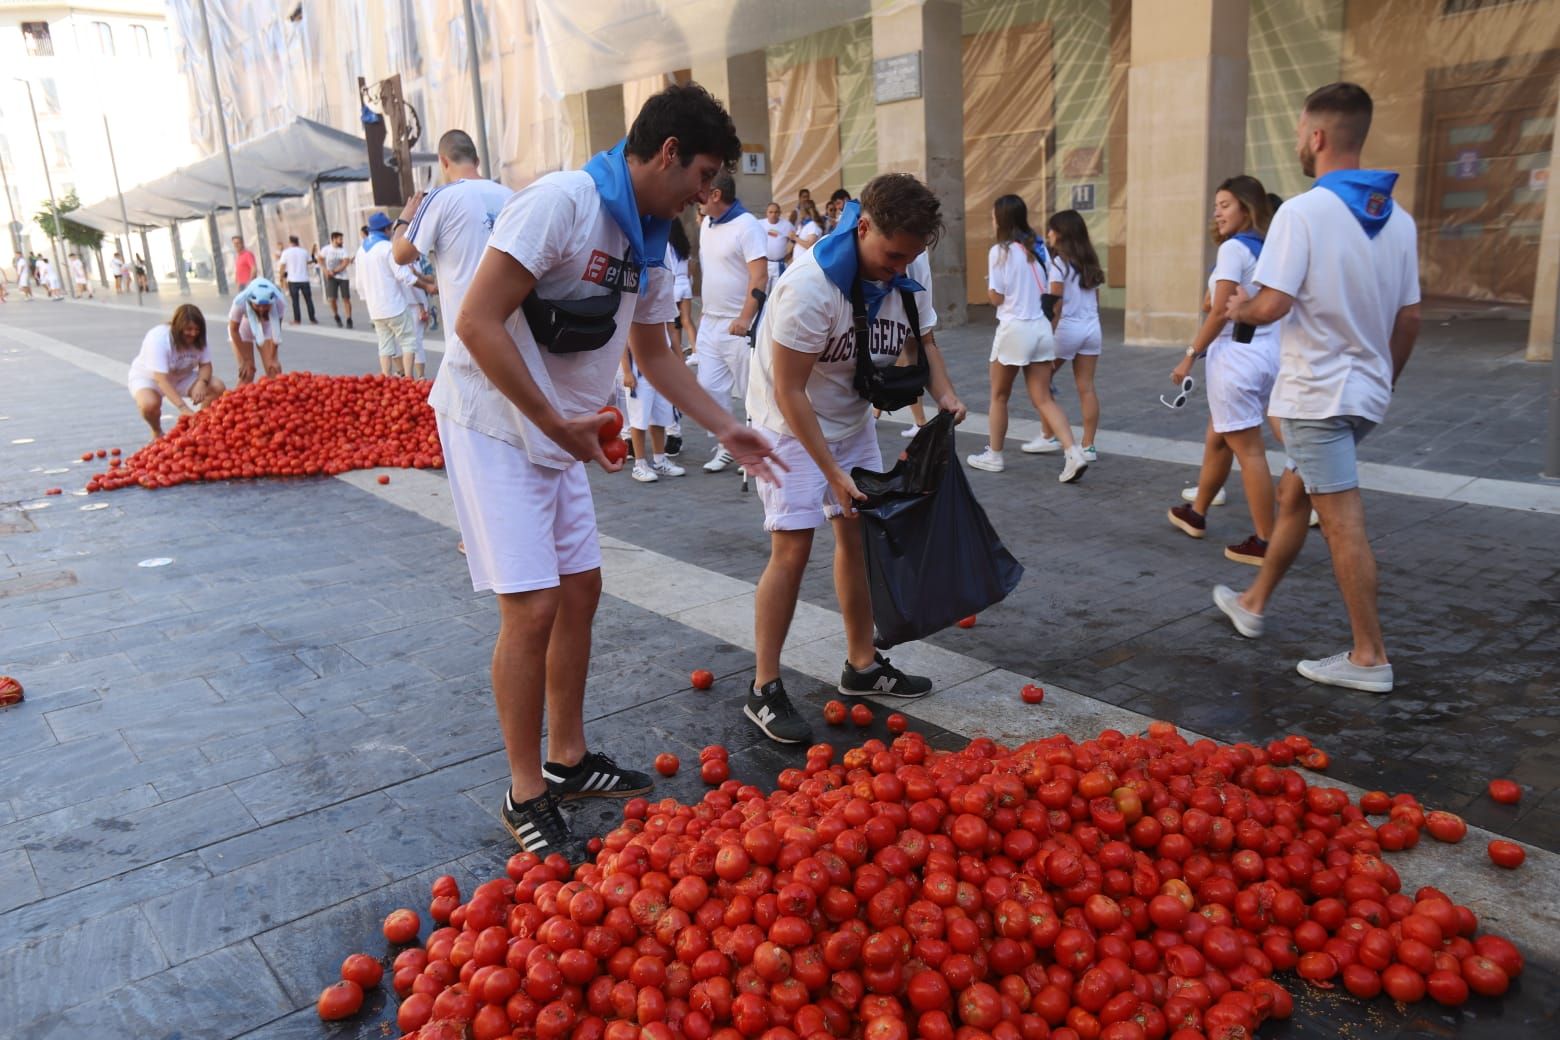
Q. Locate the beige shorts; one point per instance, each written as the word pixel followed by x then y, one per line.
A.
pixel 804 500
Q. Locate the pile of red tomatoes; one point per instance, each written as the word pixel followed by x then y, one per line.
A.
pixel 293 425
pixel 1123 888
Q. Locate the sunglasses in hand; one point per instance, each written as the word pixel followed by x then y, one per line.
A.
pixel 1180 398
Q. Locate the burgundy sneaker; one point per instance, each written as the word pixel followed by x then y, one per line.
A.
pixel 1253 551
pixel 1189 520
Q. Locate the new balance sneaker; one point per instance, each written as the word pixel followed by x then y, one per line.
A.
pixel 883 678
pixel 666 468
pixel 595 776
pixel 1253 550
pixel 988 460
pixel 1073 467
pixel 1090 453
pixel 1190 495
pixel 770 710
pixel 537 826
pixel 643 473
pixel 1188 520
pixel 1338 670
pixel 673 445
pixel 719 461
pixel 1041 445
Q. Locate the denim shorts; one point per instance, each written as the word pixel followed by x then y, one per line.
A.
pixel 1322 451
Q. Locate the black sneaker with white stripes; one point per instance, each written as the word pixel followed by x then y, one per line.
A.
pixel 770 710
pixel 883 678
pixel 537 826
pixel 596 776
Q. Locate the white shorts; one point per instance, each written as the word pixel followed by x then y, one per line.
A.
pixel 1023 341
pixel 524 525
pixel 645 407
pixel 183 385
pixel 804 501
pixel 1240 381
pixel 1077 338
pixel 397 335
pixel 723 358
pixel 682 288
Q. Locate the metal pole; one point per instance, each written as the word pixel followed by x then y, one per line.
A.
pixel 476 91
pixel 216 100
pixel 262 238
pixel 146 260
pixel 1552 456
pixel 16 225
pixel 124 214
pixel 54 241
pixel 178 259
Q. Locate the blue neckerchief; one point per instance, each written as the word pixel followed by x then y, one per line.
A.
pixel 1252 241
pixel 1038 249
pixel 1367 193
pixel 736 210
pixel 836 254
pixel 646 235
pixel 374 238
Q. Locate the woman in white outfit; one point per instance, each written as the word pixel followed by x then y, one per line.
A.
pixel 679 249
pixel 1239 375
pixel 808 230
pixel 174 363
pixel 1076 277
pixel 1025 342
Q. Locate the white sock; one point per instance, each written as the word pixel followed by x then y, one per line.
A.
pixel 660 458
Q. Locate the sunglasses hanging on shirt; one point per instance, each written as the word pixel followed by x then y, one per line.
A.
pixel 1180 398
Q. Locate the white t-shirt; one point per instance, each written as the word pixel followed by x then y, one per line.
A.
pixel 382 281
pixel 809 229
pixel 78 273
pixel 775 241
pixel 157 355
pixel 1016 273
pixel 452 227
pixel 295 264
pixel 116 267
pixel 808 314
pixel 1334 349
pixel 333 255
pixel 273 325
pixel 1078 303
pixel 724 253
pixel 1235 263
pixel 558 229
pixel 682 285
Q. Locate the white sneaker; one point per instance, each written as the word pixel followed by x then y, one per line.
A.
pixel 667 468
pixel 1315 521
pixel 1245 622
pixel 988 460
pixel 1041 445
pixel 910 431
pixel 719 461
pixel 1090 454
pixel 644 474
pixel 692 361
pixel 1338 670
pixel 1190 495
pixel 1074 467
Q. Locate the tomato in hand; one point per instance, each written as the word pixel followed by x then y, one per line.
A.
pixel 615 450
pixel 612 428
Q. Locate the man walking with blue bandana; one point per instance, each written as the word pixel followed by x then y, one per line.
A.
pixel 734 261
pixel 802 392
pixel 573 271
pixel 1342 262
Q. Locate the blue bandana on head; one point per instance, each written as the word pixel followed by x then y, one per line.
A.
pixel 1367 193
pixel 736 210
pixel 646 235
pixel 1252 241
pixel 836 254
pixel 259 290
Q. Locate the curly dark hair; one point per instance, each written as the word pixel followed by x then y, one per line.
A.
pixel 896 202
pixel 694 117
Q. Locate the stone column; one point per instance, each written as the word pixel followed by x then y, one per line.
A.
pixel 1546 281
pixel 742 85
pixel 1187 132
pixel 598 120
pixel 151 273
pixel 178 259
pixel 262 243
pixel 925 135
pixel 217 263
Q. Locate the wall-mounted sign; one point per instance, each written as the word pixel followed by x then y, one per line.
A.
pixel 1082 197
pixel 897 78
pixel 753 160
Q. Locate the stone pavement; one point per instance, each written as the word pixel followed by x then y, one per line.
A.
pixel 229 768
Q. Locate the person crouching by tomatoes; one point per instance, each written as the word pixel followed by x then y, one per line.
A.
pixel 256 320
pixel 518 419
pixel 174 363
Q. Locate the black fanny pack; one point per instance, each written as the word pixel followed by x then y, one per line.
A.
pixel 888 388
pixel 572 326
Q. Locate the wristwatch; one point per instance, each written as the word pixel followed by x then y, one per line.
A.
pixel 398 222
pixel 1191 352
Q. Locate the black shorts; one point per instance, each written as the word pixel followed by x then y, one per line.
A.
pixel 338 288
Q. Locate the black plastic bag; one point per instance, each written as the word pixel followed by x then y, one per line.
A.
pixel 932 556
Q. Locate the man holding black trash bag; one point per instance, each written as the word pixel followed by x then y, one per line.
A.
pixel 803 392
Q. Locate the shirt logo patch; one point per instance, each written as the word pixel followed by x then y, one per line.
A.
pixel 612 272
pixel 1376 204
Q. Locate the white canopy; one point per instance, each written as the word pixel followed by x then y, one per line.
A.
pixel 282 163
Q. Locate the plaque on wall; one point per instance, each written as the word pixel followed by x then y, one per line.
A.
pixel 897 78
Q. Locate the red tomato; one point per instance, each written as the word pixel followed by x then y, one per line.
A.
pixel 401 926
pixel 667 763
pixel 615 451
pixel 1484 976
pixel 10 691
pixel 896 723
pixel 384 478
pixel 1506 854
pixel 339 1000
pixel 1032 694
pixel 834 713
pixel 714 771
pixel 968 622
pixel 861 715
pixel 1506 792
pixel 611 428
pixel 1445 826
pixel 702 679
pixel 362 969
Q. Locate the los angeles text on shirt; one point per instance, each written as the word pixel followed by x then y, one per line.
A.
pixel 605 269
pixel 888 340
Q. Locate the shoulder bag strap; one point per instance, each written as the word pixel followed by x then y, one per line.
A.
pixel 863 343
pixel 914 316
